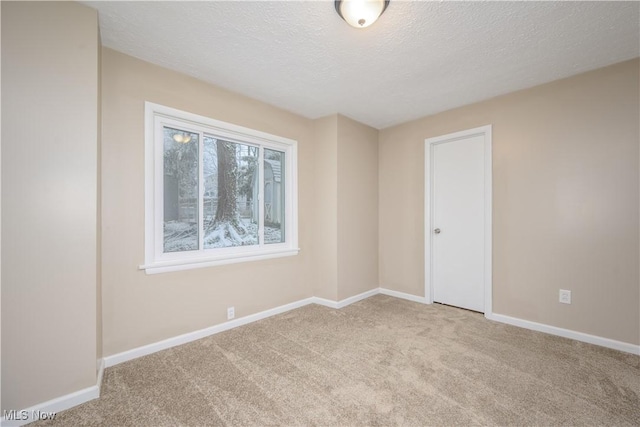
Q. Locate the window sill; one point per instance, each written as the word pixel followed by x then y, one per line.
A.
pixel 189 264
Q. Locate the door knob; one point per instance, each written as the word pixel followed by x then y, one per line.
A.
pixel 437 231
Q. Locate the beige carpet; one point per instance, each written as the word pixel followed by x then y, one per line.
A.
pixel 379 362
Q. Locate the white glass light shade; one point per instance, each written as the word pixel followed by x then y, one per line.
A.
pixel 181 138
pixel 360 13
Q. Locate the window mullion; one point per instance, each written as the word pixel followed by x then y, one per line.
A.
pixel 158 200
pixel 170 136
pixel 200 191
pixel 261 196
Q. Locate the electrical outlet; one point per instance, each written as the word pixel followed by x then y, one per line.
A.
pixel 231 313
pixel 565 296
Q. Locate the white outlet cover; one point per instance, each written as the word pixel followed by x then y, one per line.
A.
pixel 231 313
pixel 565 296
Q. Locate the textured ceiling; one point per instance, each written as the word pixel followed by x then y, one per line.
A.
pixel 418 59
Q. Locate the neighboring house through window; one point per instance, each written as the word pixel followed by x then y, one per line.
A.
pixel 216 193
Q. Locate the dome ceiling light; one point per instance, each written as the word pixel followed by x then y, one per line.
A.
pixel 182 137
pixel 360 13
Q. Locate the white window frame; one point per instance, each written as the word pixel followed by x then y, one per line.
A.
pixel 156 261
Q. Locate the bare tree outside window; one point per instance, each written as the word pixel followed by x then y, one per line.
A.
pixel 232 191
pixel 215 192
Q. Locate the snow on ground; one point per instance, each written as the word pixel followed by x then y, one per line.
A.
pixel 271 234
pixel 180 236
pixel 225 235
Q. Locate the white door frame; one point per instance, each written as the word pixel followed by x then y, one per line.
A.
pixel 428 210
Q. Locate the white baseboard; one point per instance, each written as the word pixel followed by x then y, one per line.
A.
pixel 93 392
pixel 540 327
pixel 145 350
pixel 325 302
pixel 53 406
pixel 403 295
pixel 196 335
pixel 101 368
pixel 347 301
pixel 566 333
pixel 125 356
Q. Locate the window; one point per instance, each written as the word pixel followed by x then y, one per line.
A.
pixel 215 193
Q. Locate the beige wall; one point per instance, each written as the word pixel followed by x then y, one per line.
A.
pixel 357 210
pixel 346 164
pixel 139 309
pixel 49 196
pixel 566 204
pixel 325 154
pixel 565 201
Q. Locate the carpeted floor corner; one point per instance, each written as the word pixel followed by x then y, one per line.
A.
pixel 379 362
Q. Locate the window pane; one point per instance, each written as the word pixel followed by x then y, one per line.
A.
pixel 230 189
pixel 274 182
pixel 180 190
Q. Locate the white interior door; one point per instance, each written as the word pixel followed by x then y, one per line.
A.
pixel 458 240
